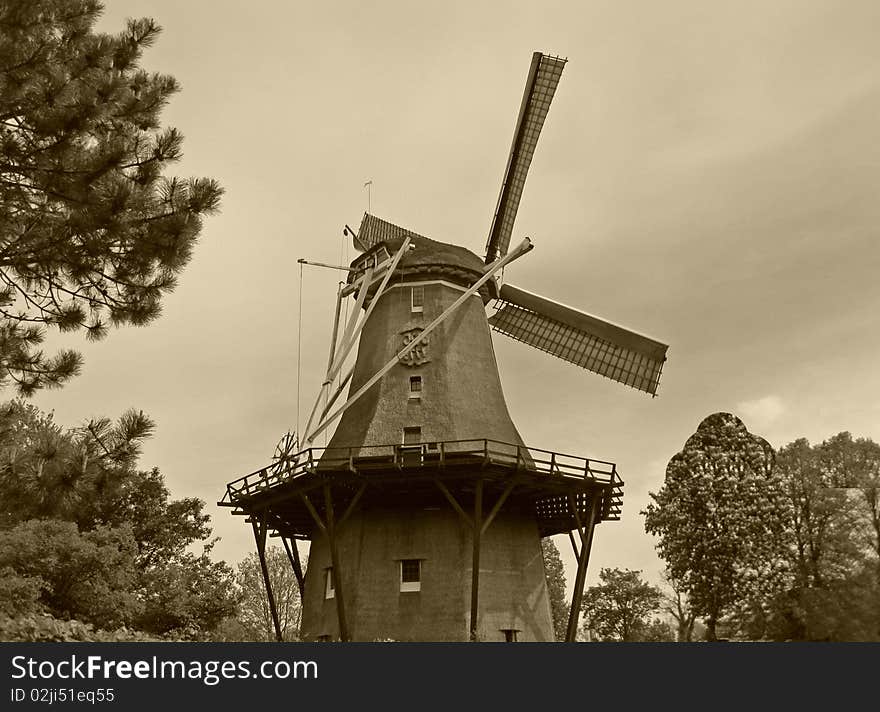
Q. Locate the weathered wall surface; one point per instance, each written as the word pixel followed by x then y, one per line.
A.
pixel 461 397
pixel 513 592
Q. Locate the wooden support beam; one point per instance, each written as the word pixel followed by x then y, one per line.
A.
pixel 351 505
pixel 581 576
pixel 455 505
pixel 296 564
pixel 348 343
pixel 475 562
pixel 333 337
pixel 338 392
pixel 330 527
pixel 359 283
pixel 356 323
pixel 260 528
pixel 574 546
pixel 335 334
pixel 311 507
pixel 268 502
pixel 572 503
pixel 351 332
pixel 336 571
pixel 497 507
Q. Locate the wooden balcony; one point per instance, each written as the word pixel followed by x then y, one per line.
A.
pixel 548 481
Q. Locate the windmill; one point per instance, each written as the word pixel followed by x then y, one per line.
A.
pixel 425 509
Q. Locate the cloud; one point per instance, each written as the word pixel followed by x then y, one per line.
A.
pixel 761 412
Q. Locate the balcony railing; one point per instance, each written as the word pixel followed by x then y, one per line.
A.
pixel 449 453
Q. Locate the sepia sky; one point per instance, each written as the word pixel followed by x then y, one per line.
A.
pixel 708 174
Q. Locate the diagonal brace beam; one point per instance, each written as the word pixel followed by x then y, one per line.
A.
pixel 455 505
pixel 261 528
pixel 501 499
pixel 296 565
pixel 355 326
pixel 581 576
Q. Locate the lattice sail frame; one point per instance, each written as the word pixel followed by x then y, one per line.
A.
pixel 543 78
pixel 579 338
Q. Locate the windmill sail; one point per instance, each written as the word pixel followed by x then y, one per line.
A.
pixel 541 84
pixel 579 338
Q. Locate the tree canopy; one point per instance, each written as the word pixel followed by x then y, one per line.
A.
pixel 85 534
pixel 718 517
pixel 782 546
pixel 254 614
pixel 88 575
pixel 619 608
pixel 676 604
pixel 92 234
pixel 554 572
pixel 832 591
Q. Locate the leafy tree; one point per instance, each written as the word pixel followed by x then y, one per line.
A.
pixel 718 518
pixel 88 475
pixel 163 528
pixel 841 610
pixel 85 575
pixel 618 607
pixel 832 591
pixel 677 605
pixel 76 474
pixel 254 613
pixel 822 517
pixel 91 232
pixel 190 595
pixel 554 572
pixel 19 595
pixel 85 480
pixel 855 464
pixel 653 631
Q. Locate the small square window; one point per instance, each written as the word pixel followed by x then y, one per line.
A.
pixel 415 386
pixel 412 436
pixel 410 575
pixel 417 302
pixel 329 591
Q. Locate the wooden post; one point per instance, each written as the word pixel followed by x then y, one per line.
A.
pixel 586 535
pixel 293 557
pixel 336 572
pixel 475 564
pixel 478 527
pixel 574 546
pixel 260 529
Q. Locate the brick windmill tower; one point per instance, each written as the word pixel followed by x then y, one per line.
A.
pixel 425 510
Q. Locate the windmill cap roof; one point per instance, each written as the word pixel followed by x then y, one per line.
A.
pixel 430 252
pixel 433 259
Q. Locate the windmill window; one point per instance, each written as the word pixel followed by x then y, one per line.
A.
pixel 410 575
pixel 415 386
pixel 329 591
pixel 417 299
pixel 412 436
pixel 509 635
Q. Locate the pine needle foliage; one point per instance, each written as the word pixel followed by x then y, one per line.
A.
pixel 92 234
